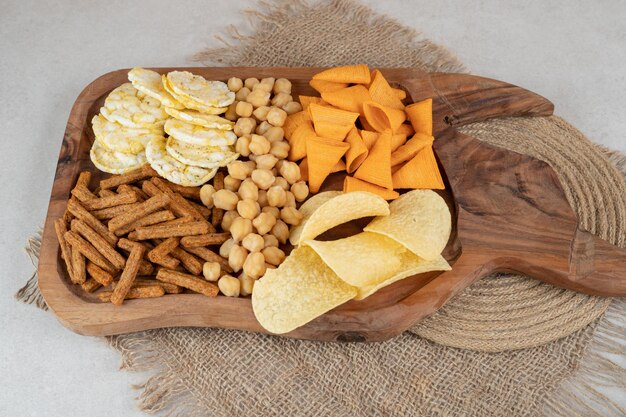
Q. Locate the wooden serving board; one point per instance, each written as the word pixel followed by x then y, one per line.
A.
pixel 509 214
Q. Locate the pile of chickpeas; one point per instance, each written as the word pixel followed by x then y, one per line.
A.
pixel 261 189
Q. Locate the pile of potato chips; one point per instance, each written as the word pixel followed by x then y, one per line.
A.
pixel 405 238
pixel 130 129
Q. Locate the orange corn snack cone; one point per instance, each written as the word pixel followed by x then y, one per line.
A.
pixel 382 117
pixel 350 99
pixel 306 100
pixel 339 166
pixel 407 151
pixel 321 85
pixel 420 115
pixel 295 120
pixel 330 122
pixel 322 157
pixel 355 184
pixel 382 93
pixel 297 141
pixel 400 93
pixel 304 168
pixel 351 74
pixel 420 172
pixel 369 138
pixel 397 140
pixel 364 124
pixel 406 129
pixel 377 166
pixel 357 152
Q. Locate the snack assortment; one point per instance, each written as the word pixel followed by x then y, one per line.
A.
pixel 358 125
pixel 216 191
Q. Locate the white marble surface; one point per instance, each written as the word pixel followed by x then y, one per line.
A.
pixel 573 52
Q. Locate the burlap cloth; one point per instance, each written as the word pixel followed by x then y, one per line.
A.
pixel 507 346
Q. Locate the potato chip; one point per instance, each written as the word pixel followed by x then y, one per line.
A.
pixel 360 260
pixel 322 213
pixel 199 135
pixel 299 290
pixel 132 108
pixel 201 156
pixel 115 162
pixel 351 74
pixel 410 265
pixel 420 115
pixel 189 103
pixel 419 220
pixel 149 82
pixel 351 184
pixel 210 121
pixel 173 170
pixel 198 89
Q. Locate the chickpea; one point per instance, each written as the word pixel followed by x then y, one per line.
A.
pixel 264 222
pixel 300 191
pixel 237 257
pixel 282 85
pixel 291 215
pixel 253 242
pixel 239 170
pixel 206 195
pixel 270 241
pixel 292 107
pixel 244 109
pixel 251 166
pixel 262 198
pixel 244 126
pixel 226 247
pixel 274 134
pixel 234 84
pixel 228 218
pixel 211 271
pixel 242 94
pixel 262 128
pixel 290 171
pixel 225 199
pixel 229 286
pixel 231 184
pixel 280 99
pixel 254 266
pixel 276 196
pixel 261 113
pixel 240 228
pixel 281 231
pixel 280 149
pixel 276 116
pixel 230 113
pixel 246 284
pixel 258 98
pixel 248 209
pixel 273 255
pixel 265 161
pixel 290 199
pixel 259 145
pixel 274 211
pixel 282 183
pixel 242 146
pixel 269 266
pixel 274 171
pixel 250 82
pixel 263 178
pixel 248 190
pixel 268 84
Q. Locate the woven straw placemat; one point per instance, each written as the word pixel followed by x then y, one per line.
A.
pixel 507 346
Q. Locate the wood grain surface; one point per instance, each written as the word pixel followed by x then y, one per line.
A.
pixel 509 214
